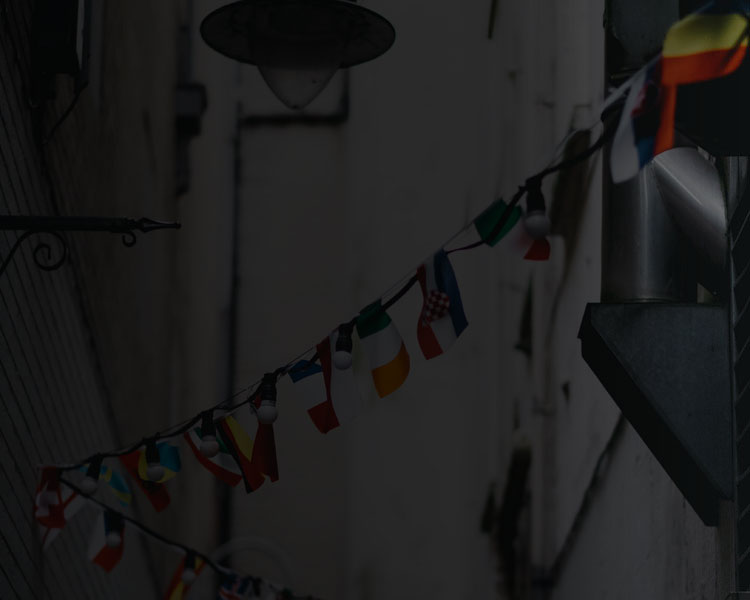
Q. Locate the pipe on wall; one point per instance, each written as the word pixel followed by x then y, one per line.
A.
pixel 690 187
pixel 644 255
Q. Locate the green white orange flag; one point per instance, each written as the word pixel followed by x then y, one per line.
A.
pixel 385 350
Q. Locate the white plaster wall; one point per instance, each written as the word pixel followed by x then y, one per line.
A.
pixel 389 506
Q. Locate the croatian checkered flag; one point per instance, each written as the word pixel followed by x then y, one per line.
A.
pixel 442 318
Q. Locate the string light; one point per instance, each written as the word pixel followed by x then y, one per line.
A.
pixel 536 221
pixel 154 470
pixel 209 446
pixel 342 356
pixel 267 411
pixel 113 528
pixel 90 482
pixel 188 571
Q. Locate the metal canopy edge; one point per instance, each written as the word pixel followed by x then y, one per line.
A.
pixel 667 367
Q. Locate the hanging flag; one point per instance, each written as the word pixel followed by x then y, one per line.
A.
pixel 264 449
pixel 54 505
pixel 304 373
pixel 519 241
pixel 155 492
pixel 178 589
pixel 49 509
pixel 115 483
pixel 486 222
pixel 99 551
pixel 640 125
pixel 442 318
pixel 314 392
pixel 705 45
pixel 169 458
pixel 223 465
pixel 256 459
pixel 385 350
pixel 338 400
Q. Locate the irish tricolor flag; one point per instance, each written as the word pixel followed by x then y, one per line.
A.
pixel 385 350
pixel 442 318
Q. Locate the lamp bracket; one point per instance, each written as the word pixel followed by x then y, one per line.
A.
pixel 43 254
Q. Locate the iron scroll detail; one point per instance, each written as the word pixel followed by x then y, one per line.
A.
pixel 46 256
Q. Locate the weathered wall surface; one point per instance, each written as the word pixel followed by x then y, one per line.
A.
pixel 331 216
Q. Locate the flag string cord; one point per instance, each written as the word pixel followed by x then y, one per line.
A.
pixel 144 529
pixel 227 406
pixel 609 112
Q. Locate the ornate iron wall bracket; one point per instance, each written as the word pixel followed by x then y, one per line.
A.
pixel 43 254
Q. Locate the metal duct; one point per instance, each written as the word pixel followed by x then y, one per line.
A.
pixel 644 256
pixel 690 187
pixel 664 358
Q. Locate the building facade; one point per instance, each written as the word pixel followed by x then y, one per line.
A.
pixel 502 469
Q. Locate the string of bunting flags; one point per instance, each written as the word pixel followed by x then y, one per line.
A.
pixel 58 500
pixel 368 350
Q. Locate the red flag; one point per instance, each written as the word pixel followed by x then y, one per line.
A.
pixel 54 505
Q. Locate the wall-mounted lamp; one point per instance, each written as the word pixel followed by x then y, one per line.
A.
pixel 60 45
pixel 297 45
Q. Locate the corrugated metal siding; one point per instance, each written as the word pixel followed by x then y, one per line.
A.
pixel 740 240
pixel 53 401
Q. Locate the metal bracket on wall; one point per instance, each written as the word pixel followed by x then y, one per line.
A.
pixel 54 226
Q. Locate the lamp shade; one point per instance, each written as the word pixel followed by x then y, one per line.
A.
pixel 298 45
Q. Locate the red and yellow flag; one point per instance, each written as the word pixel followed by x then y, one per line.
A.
pixel 705 45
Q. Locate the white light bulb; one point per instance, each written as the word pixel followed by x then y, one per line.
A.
pixel 188 576
pixel 113 539
pixel 267 412
pixel 342 360
pixel 155 472
pixel 209 446
pixel 537 224
pixel 89 485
